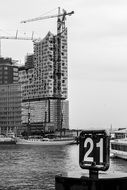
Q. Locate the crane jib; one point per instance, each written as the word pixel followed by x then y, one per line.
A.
pixel 46 17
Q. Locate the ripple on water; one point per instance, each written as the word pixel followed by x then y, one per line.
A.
pixel 34 167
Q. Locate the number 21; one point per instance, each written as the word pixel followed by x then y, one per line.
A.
pixel 99 145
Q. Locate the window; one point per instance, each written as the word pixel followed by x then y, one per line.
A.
pixel 15 74
pixel 15 69
pixel 5 68
pixel 5 72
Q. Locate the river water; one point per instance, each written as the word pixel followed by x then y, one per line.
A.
pixel 31 167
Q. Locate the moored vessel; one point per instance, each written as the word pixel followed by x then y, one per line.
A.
pixel 47 140
pixel 4 140
pixel 119 148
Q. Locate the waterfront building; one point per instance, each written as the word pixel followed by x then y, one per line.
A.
pixel 43 115
pixel 10 97
pixel 8 71
pixel 29 61
pixel 120 134
pixel 39 85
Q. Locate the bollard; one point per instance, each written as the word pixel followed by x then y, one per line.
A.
pixel 86 183
pixel 94 150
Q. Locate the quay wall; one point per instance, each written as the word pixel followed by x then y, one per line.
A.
pixel 85 183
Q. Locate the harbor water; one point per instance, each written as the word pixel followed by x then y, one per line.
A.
pixel 31 167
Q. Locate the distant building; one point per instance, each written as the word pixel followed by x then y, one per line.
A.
pixel 120 134
pixel 26 79
pixel 8 72
pixel 29 61
pixel 43 115
pixel 10 108
pixel 39 84
pixel 10 97
pixel 40 80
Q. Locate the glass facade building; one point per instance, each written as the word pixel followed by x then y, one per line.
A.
pixel 10 97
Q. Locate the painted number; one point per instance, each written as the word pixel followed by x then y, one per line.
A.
pixel 100 145
pixel 87 157
pixel 89 142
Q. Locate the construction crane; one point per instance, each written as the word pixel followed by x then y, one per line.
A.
pixel 51 16
pixel 16 37
pixel 60 28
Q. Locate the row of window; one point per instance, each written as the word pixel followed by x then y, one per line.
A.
pixel 9 123
pixel 120 147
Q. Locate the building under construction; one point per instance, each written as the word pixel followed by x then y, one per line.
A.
pixel 39 85
pixel 44 80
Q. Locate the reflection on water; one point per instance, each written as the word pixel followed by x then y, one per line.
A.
pixel 118 164
pixel 34 167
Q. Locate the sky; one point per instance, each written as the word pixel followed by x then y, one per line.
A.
pixel 97 54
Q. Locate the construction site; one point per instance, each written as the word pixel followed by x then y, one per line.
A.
pixel 42 82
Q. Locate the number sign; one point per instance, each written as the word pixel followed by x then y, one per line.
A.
pixel 94 150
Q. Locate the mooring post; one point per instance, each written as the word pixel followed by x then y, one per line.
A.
pixel 93 156
pixel 93 174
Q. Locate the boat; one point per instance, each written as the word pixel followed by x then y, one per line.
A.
pixel 47 140
pixel 4 140
pixel 119 148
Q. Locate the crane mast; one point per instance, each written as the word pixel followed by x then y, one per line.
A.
pixel 60 28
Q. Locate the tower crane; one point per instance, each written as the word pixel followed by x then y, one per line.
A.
pixel 50 16
pixel 60 28
pixel 16 37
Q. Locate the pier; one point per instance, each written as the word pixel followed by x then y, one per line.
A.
pixel 94 149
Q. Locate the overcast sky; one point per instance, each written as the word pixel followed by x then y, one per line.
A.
pixel 97 53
